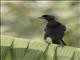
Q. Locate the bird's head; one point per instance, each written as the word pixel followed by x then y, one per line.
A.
pixel 48 17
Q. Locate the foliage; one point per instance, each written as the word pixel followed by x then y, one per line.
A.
pixel 20 19
pixel 23 49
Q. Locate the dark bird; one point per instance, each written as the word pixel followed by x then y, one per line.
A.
pixel 54 29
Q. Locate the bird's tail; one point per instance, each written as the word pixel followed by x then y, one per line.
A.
pixel 62 43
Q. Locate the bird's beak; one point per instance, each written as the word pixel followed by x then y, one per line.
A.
pixel 40 17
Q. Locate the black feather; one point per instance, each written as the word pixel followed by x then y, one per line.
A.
pixel 54 29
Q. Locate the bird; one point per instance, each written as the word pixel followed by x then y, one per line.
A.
pixel 54 29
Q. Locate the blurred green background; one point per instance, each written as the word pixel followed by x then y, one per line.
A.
pixel 20 19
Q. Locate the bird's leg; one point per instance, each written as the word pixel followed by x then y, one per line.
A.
pixel 61 43
pixel 45 36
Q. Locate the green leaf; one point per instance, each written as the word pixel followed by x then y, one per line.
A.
pixel 65 53
pixel 19 48
pixel 5 45
pixel 50 53
pixel 35 50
